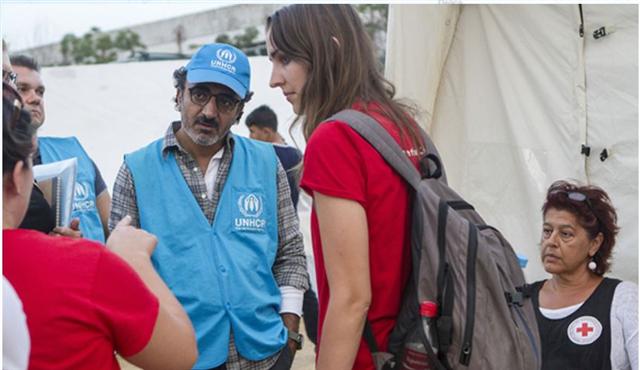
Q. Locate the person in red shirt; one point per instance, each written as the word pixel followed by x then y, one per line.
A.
pixel 82 301
pixel 323 61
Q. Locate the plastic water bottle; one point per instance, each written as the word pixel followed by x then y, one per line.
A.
pixel 428 312
pixel 415 355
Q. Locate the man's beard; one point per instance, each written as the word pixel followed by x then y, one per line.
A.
pixel 200 138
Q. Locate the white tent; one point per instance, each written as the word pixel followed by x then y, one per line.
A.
pixel 510 95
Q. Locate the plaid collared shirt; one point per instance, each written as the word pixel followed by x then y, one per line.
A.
pixel 289 268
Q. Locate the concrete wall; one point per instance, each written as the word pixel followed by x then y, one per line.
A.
pixel 198 28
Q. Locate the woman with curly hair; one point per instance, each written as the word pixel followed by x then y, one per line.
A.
pixel 586 321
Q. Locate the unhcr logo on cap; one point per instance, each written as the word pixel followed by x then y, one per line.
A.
pixel 225 59
pixel 226 55
pixel 222 64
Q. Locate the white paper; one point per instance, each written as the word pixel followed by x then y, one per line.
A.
pixel 62 175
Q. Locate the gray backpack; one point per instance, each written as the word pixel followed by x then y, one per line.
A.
pixel 485 318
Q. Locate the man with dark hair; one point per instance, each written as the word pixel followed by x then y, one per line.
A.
pixel 30 86
pixel 263 125
pixel 229 243
pixel 91 202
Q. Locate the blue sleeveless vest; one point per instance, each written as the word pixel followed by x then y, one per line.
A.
pixel 220 273
pixel 54 149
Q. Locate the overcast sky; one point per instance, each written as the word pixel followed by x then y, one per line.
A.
pixel 31 23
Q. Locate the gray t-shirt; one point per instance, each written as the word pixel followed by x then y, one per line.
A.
pixel 624 327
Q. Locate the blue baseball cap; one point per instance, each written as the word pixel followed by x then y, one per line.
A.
pixel 222 64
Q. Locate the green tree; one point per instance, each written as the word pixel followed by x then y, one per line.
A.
pixel 96 46
pixel 128 40
pixel 104 49
pixel 245 41
pixel 223 39
pixel 83 51
pixel 247 38
pixel 66 46
pixel 374 18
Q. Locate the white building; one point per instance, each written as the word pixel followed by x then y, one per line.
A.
pixel 195 30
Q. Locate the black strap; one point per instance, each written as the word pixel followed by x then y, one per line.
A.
pixel 472 254
pixel 445 319
pixel 444 323
pixel 433 357
pixel 367 334
pixel 527 290
pixel 425 169
pixel 459 205
pixel 443 210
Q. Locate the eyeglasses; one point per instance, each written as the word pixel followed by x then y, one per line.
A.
pixel 201 96
pixel 577 196
pixel 9 76
pixel 11 94
pixel 573 195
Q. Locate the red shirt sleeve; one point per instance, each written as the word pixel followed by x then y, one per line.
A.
pixel 124 303
pixel 333 163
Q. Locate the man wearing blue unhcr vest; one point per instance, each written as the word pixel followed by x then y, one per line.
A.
pixel 91 201
pixel 229 244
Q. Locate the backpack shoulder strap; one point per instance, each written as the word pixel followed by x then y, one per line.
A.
pixel 380 139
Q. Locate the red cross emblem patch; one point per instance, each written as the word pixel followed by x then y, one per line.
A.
pixel 584 330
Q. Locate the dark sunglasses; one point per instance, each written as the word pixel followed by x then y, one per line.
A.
pixel 573 195
pixel 577 196
pixel 11 94
pixel 201 96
